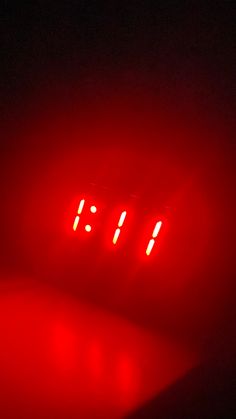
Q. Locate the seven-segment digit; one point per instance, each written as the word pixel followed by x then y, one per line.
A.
pixel 79 212
pixel 93 210
pixel 120 224
pixel 154 236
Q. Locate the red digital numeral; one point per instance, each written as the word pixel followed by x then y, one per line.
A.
pixel 154 236
pixel 79 212
pixel 88 227
pixel 120 224
pixel 93 210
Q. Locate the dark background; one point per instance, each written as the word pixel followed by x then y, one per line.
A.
pixel 187 47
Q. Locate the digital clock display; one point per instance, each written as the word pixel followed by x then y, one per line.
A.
pixel 117 225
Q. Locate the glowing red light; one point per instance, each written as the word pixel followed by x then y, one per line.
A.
pixel 93 209
pixel 81 206
pixel 150 247
pixel 120 224
pixel 79 211
pixel 116 236
pixel 154 236
pixel 157 229
pixel 76 222
pixel 122 219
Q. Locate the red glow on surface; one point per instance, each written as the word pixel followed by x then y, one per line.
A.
pixel 59 355
pixel 96 361
pixel 88 228
pixel 76 222
pixel 116 236
pixel 128 378
pixel 93 209
pixel 62 345
pixel 150 247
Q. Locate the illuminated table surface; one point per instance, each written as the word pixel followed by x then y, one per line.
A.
pixel 63 358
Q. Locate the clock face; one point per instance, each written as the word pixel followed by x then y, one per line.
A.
pixel 108 217
pixel 117 225
pixel 117 229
